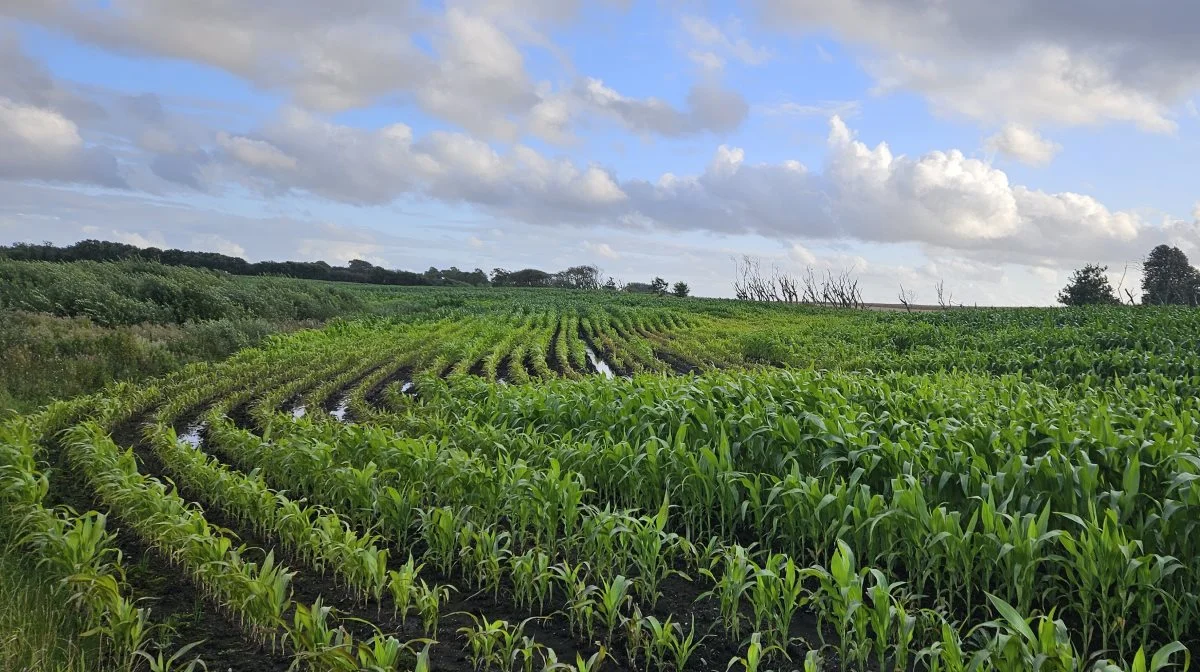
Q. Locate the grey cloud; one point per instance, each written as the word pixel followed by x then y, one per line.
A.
pixel 24 80
pixel 334 55
pixel 717 109
pixel 942 199
pixel 710 108
pixel 184 168
pixel 1069 61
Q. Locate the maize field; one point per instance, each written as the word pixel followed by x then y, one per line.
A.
pixel 527 481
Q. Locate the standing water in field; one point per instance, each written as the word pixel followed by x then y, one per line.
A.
pixel 339 413
pixel 298 412
pixel 598 364
pixel 192 435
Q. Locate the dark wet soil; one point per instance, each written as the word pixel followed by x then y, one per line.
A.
pixel 552 352
pixel 175 601
pixel 374 396
pixel 677 364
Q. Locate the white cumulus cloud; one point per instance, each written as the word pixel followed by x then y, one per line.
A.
pixel 41 144
pixel 1023 144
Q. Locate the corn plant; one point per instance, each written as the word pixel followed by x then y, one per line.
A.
pixel 533 580
pixel 484 638
pixel 653 551
pixel 776 593
pixel 176 662
pixel 429 601
pixel 485 550
pixel 667 645
pixel 402 586
pixel 1015 645
pixel 1161 660
pixel 841 603
pixel 440 529
pixel 316 642
pixel 732 584
pixel 756 655
pixel 592 663
pixel 611 598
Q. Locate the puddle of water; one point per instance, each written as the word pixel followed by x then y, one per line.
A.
pixel 298 412
pixel 598 364
pixel 407 387
pixel 192 435
pixel 339 413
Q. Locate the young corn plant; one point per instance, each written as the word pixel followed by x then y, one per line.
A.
pixel 592 663
pixel 176 662
pixel 483 638
pixel 755 657
pixel 1014 645
pixel 517 650
pixel 429 602
pixel 892 628
pixel 1114 581
pixel 315 643
pixel 1161 660
pixel 486 553
pixel 776 593
pixel 653 552
pixel 402 585
pixel 384 653
pixel 533 580
pixel 731 586
pixel 581 606
pixel 946 654
pixel 611 598
pixel 440 529
pixel 684 646
pixel 667 647
pixel 635 635
pixel 840 600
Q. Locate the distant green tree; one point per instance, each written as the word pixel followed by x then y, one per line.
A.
pixel 577 277
pixel 1168 278
pixel 658 286
pixel 681 289
pixel 1089 286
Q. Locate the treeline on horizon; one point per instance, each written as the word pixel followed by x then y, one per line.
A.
pixel 357 270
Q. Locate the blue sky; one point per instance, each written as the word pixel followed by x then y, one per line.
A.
pixel 912 142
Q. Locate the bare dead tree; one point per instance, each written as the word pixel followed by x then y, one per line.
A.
pixel 810 293
pixel 842 290
pixel 741 278
pixel 751 283
pixel 945 297
pixel 907 298
pixel 1121 285
pixel 786 282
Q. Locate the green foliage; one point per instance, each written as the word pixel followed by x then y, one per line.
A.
pixel 1169 279
pixel 967 490
pixel 44 358
pixel 1089 286
pixel 134 292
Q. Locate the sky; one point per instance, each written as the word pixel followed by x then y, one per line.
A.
pixel 991 146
